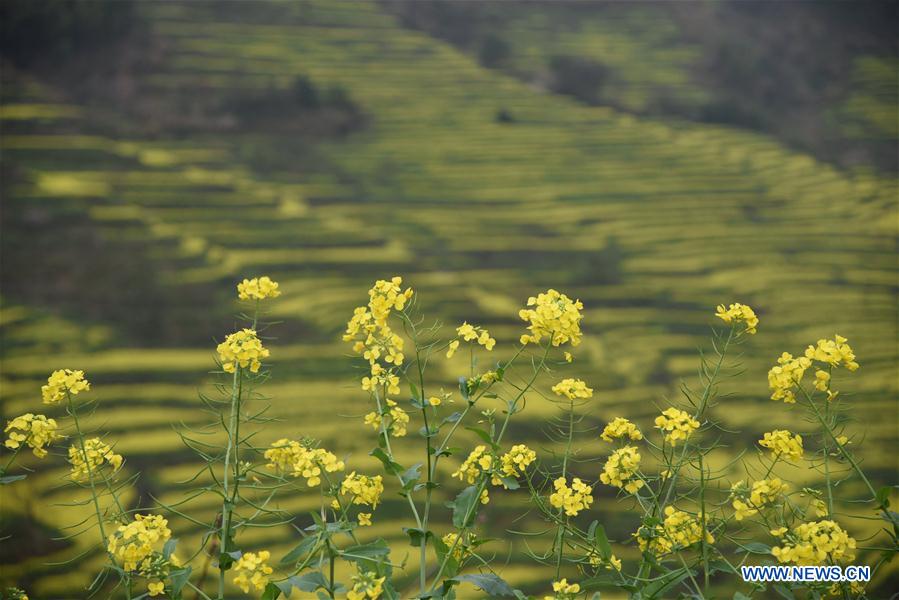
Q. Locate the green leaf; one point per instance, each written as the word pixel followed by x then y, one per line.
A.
pixel 416 536
pixel 488 582
pixel 11 478
pixel 883 496
pixel 784 591
pixel 169 548
pixel 510 483
pixel 179 579
pixel 371 551
pixel 271 592
pixel 452 565
pixel 483 435
pixel 463 388
pixel 414 390
pixel 656 588
pixel 309 582
pixel 756 548
pixel 301 549
pixel 392 467
pixel 285 586
pixel 428 433
pixel 721 566
pixel 601 541
pixel 464 507
pixel 453 418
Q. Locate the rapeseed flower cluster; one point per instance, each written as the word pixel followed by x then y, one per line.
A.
pixel 470 333
pixel 835 352
pixel 96 453
pixel 137 545
pixel 363 489
pixel 399 419
pixel 573 389
pixel 478 461
pixel 372 336
pixel 739 313
pixel 486 379
pixel 252 569
pixel 366 586
pixel 783 443
pixel 290 456
pixel 35 431
pixel 258 288
pixel 562 590
pixel 515 461
pixel 612 563
pixel 573 499
pixel 814 544
pixel 786 375
pixel 763 493
pixel 554 315
pixel 14 593
pixel 620 428
pixel 676 425
pixel 242 349
pixel 679 530
pixel 621 469
pixel 62 382
pixel 462 547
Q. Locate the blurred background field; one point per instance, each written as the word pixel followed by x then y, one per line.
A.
pixel 651 159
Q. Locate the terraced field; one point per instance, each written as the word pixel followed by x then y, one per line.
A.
pixel 650 223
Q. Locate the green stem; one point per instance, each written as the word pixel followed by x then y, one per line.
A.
pixel 560 537
pixel 229 494
pixel 512 405
pixel 12 458
pixel 703 545
pixel 87 463
pixel 386 437
pixel 675 468
pixel 846 455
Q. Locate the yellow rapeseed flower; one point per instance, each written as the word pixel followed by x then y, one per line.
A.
pixel 815 543
pixel 783 443
pixel 571 499
pixel 138 545
pixel 573 389
pixel 554 315
pixel 62 382
pixel 363 489
pixel 786 375
pixel 469 333
pixel 252 570
pixel 562 590
pixel 739 313
pixel 258 288
pixel 679 530
pixel 366 586
pixel 35 431
pixel 621 469
pixel 835 352
pixel 763 493
pixel 155 588
pixel 478 461
pixel 96 453
pixel 619 428
pixel 292 457
pixel 676 425
pixel 515 461
pixel 242 349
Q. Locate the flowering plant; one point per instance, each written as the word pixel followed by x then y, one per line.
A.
pixel 692 528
